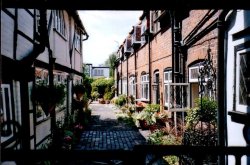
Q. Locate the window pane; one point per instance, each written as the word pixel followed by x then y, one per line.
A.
pixel 244 79
pixel 194 73
pixel 166 93
pixel 146 91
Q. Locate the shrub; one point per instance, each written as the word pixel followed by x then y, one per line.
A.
pixel 95 95
pixel 121 100
pixel 205 111
pixel 108 96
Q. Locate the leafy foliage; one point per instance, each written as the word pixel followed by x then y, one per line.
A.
pixel 149 113
pixel 102 85
pixel 205 110
pixel 121 100
pixel 111 63
pixel 108 96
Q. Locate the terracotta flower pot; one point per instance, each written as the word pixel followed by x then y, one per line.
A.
pixel 144 125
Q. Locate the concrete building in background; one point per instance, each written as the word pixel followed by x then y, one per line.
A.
pixel 100 71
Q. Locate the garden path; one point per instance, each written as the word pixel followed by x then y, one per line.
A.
pixel 105 132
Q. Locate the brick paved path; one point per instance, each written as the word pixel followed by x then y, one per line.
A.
pixel 106 133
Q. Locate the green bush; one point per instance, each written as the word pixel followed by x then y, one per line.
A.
pixel 205 111
pixel 102 85
pixel 108 96
pixel 121 100
pixel 95 95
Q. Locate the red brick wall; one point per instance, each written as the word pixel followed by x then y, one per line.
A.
pixel 198 51
pixel 161 50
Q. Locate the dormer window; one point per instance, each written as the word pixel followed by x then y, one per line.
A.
pixel 136 37
pixel 128 45
pixel 154 23
pixel 144 29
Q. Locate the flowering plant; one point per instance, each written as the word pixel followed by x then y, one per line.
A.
pixel 78 130
pixel 78 127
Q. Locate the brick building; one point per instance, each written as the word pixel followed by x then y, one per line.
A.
pixel 173 57
pixel 145 70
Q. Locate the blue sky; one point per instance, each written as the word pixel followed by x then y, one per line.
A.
pixel 107 30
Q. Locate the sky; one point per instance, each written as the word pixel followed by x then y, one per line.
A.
pixel 107 30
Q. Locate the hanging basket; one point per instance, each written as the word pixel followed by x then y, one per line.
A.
pixel 48 97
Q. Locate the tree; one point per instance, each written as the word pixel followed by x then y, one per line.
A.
pixel 111 63
pixel 87 83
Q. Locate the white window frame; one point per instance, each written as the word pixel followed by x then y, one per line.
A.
pixel 59 22
pixel 190 73
pixel 167 81
pixel 124 85
pixel 6 86
pixel 154 25
pixel 145 84
pixel 3 112
pixel 240 107
pixel 132 86
pixel 135 33
pixel 77 39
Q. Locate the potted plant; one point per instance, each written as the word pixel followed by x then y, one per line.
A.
pixel 48 98
pixel 147 116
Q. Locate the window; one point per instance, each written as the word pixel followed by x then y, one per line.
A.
pixel 243 80
pixel 120 87
pixel 98 72
pixel 37 18
pixel 145 86
pixel 124 85
pixel 154 23
pixel 78 39
pixel 132 86
pixel 194 72
pixel 6 109
pixel 167 80
pixel 59 23
pixel 136 37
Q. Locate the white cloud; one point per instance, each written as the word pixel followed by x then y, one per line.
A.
pixel 105 29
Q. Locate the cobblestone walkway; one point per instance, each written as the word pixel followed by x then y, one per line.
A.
pixel 106 133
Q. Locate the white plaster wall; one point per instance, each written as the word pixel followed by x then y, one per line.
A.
pixel 235 135
pixel 7 34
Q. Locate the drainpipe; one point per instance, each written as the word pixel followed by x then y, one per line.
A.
pixel 221 85
pixel 127 74
pixel 121 75
pixel 149 69
pixel 135 76
pixel 172 37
